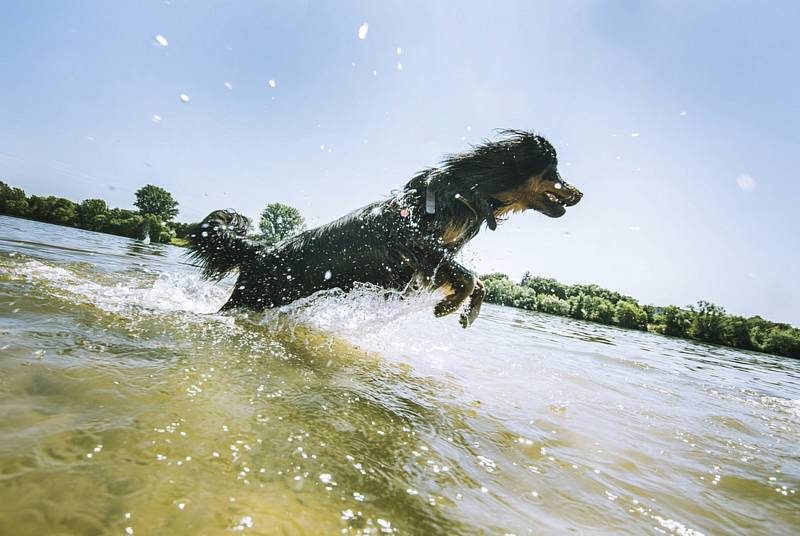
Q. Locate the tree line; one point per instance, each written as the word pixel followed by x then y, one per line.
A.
pixel 704 321
pixel 157 209
pixel 153 220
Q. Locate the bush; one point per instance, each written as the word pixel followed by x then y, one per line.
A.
pixel 600 310
pixel 630 315
pixel 13 201
pixel 182 230
pixel 551 287
pixel 673 321
pixel 782 341
pixel 503 291
pixel 553 305
pixel 736 332
pixel 707 322
pixel 91 214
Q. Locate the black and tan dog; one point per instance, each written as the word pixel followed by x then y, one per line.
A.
pixel 406 242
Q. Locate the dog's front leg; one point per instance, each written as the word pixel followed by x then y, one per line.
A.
pixel 459 284
pixel 474 307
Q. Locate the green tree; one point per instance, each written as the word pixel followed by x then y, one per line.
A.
pixel 279 221
pixel 182 230
pixel 630 315
pixel 156 201
pixel 547 303
pixel 673 321
pixel 64 212
pixel 40 207
pixel 600 310
pixel 13 201
pixel 52 209
pixel 91 213
pixel 707 322
pixel 122 222
pixel 736 332
pixel 579 306
pixel 542 285
pixel 783 341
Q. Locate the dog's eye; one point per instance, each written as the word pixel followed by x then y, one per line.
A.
pixel 558 185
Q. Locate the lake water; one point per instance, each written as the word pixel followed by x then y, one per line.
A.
pixel 128 405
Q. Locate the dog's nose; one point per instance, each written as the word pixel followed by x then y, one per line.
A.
pixel 574 196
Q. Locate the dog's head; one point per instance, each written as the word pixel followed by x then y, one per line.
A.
pixel 518 172
pixel 538 184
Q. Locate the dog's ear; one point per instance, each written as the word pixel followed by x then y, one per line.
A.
pixel 485 211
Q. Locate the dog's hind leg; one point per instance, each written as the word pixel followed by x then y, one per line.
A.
pixel 459 284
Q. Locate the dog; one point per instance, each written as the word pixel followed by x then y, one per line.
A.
pixel 407 242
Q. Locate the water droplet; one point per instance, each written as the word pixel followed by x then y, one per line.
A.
pixel 399 66
pixel 228 85
pixel 161 40
pixel 184 97
pixel 156 118
pixel 328 275
pixel 635 135
pixel 362 31
pixel 272 83
pixel 399 51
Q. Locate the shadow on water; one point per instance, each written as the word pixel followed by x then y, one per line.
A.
pixel 137 248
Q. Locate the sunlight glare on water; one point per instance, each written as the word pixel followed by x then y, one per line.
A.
pixel 129 405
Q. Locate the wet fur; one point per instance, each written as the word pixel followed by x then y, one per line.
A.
pixel 394 243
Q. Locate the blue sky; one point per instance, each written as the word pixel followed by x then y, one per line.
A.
pixel 680 121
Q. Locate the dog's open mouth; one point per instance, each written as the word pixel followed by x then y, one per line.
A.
pixel 553 199
pixel 553 206
pixel 556 205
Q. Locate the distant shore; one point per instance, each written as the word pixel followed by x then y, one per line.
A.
pixel 153 221
pixel 704 322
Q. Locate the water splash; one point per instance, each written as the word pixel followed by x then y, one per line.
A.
pixel 167 292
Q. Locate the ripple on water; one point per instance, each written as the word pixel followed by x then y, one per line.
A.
pixel 126 402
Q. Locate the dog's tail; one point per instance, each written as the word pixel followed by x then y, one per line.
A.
pixel 219 243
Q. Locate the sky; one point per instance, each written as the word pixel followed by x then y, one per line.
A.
pixel 679 121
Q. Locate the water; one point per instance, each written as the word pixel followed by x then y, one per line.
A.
pixel 128 405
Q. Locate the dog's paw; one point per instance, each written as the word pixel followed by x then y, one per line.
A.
pixel 444 308
pixel 468 317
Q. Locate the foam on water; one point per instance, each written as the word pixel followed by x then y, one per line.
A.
pixel 167 292
pixel 368 316
pixel 394 325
